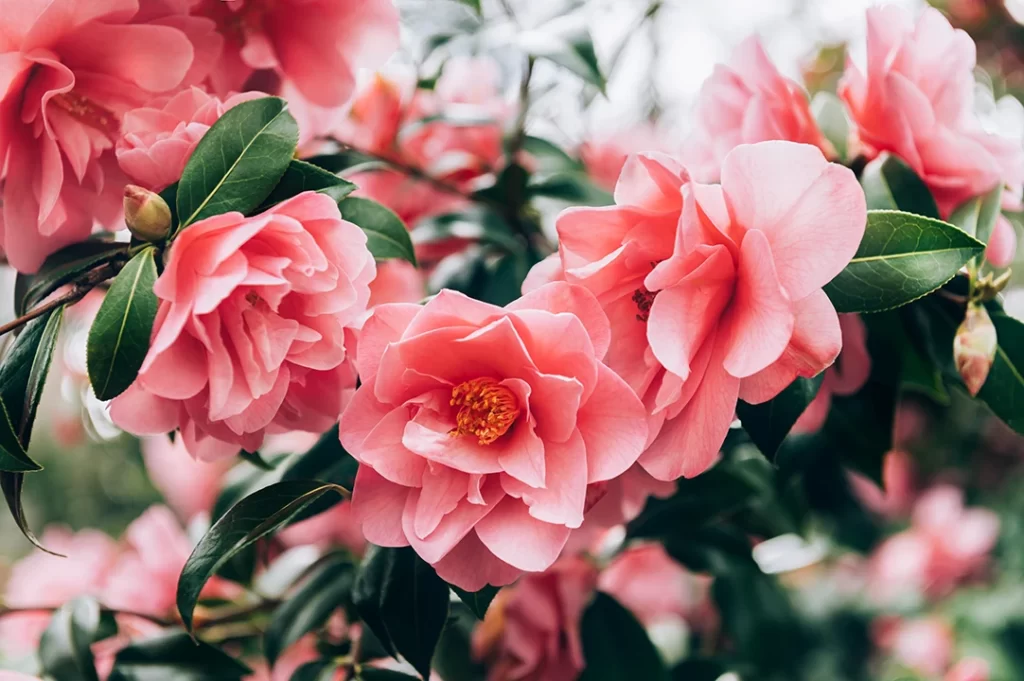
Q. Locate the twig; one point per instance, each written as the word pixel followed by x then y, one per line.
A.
pixel 408 170
pixel 77 292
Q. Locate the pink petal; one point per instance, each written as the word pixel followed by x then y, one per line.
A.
pixel 562 498
pixel 140 412
pixel 377 506
pixel 559 298
pixel 452 527
pixel 519 539
pixel 471 566
pixel 613 426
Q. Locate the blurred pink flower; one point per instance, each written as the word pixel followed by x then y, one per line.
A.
pixel 968 669
pixel 1002 245
pixel 335 527
pixel 376 112
pixel 899 484
pixel 605 155
pixel 845 377
pixel 189 485
pixel 397 281
pixel 258 343
pixel 744 102
pixel 924 645
pixel 916 100
pixel 479 429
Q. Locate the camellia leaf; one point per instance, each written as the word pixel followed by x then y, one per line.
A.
pixel 61 268
pixel 615 645
pixel 376 674
pixel 239 160
pixel 386 235
pixel 65 648
pixel 323 591
pixel 476 223
pixel 1003 390
pixel 477 601
pixel 978 216
pixel 174 655
pixel 890 184
pixel 404 602
pixel 901 258
pixel 830 114
pixel 252 518
pixel 769 423
pixel 305 177
pixel 119 337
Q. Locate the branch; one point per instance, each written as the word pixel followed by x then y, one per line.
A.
pixel 408 170
pixel 77 292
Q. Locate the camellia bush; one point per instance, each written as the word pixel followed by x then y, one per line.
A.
pixel 432 396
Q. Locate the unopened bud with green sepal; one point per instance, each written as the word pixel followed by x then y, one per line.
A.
pixel 147 215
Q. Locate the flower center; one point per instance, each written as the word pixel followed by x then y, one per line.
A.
pixel 643 299
pixel 88 112
pixel 487 409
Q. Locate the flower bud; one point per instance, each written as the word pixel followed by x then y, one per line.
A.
pixel 147 215
pixel 974 347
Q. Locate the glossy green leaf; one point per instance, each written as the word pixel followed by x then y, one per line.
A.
pixel 477 223
pixel 239 160
pixel 978 216
pixel 769 423
pixel 386 235
pixel 65 652
pixel 477 601
pixel 1003 391
pixel 901 258
pixel 377 674
pixel 174 656
pixel 12 485
pixel 830 114
pixel 252 518
pixel 568 44
pixel 472 4
pixel 615 645
pixel 301 176
pixel 404 602
pixel 548 157
pixel 63 267
pixel 119 337
pixel 572 187
pixel 323 591
pixel 890 184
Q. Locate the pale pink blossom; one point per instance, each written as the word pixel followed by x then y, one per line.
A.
pixel 896 497
pixel 847 376
pixel 968 669
pixel 744 102
pixel 255 328
pixel 1002 245
pixel 379 107
pixel 925 645
pixel 189 486
pixel 532 630
pixel 397 281
pixel 157 140
pixel 479 429
pixel 69 72
pixel 916 99
pixel 604 155
pixel 337 526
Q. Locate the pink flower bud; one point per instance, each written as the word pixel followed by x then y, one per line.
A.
pixel 974 347
pixel 147 215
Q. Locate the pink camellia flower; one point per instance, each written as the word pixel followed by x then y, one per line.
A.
pixel 744 102
pixel 848 375
pixel 375 115
pixel 479 429
pixel 189 486
pixel 924 645
pixel 1002 245
pixel 898 479
pixel 397 281
pixel 254 330
pixel 532 630
pixel 967 669
pixel 69 73
pixel 317 46
pixel 916 100
pixel 605 155
pixel 335 527
pixel 158 141
pixel 714 292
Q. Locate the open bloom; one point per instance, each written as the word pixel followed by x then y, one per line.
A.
pixel 916 100
pixel 190 486
pixel 848 375
pixel 69 72
pixel 254 330
pixel 744 102
pixel 479 429
pixel 924 645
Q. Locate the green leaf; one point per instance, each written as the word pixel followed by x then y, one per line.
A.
pixel 568 44
pixel 477 223
pixel 830 115
pixel 325 589
pixel 472 4
pixel 890 184
pixel 572 187
pixel 978 216
pixel 548 157
pixel 769 423
pixel 239 160
pixel 174 656
pixel 375 674
pixel 615 645
pixel 301 176
pixel 252 518
pixel 65 652
pixel 62 268
pixel 12 485
pixel 386 235
pixel 404 602
pixel 119 337
pixel 1003 391
pixel 901 258
pixel 477 601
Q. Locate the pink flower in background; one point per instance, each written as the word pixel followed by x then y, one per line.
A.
pixel 157 141
pixel 924 645
pixel 1002 245
pixel 604 156
pixel 916 100
pixel 479 429
pixel 846 377
pixel 190 486
pixel 337 526
pixel 317 46
pixel 532 630
pixel 615 503
pixel 397 281
pixel 744 102
pixel 70 71
pixel 898 478
pixel 968 669
pixel 376 112
pixel 257 319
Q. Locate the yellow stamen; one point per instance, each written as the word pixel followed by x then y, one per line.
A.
pixel 87 112
pixel 487 409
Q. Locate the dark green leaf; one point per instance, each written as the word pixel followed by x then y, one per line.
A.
pixel 769 423
pixel 1003 391
pixel 404 602
pixel 324 590
pixel 386 235
pixel 61 268
pixel 170 197
pixel 12 484
pixel 477 224
pixel 568 44
pixel 454 659
pixel 572 187
pixel 472 4
pixel 548 157
pixel 119 337
pixel 615 645
pixel 978 216
pixel 65 652
pixel 901 258
pixel 256 459
pixel 174 656
pixel 239 160
pixel 375 674
pixel 301 176
pixel 252 518
pixel 830 115
pixel 890 184
pixel 477 601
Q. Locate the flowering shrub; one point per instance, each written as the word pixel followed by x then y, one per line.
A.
pixel 431 396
